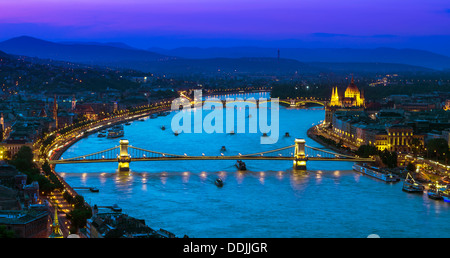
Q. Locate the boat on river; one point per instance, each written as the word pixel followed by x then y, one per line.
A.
pixel 240 165
pixel 116 208
pixel 375 172
pixel 116 131
pixel 445 193
pixel 218 182
pixel 436 191
pixel 412 186
pixel 94 189
pixel 434 194
pixel 446 196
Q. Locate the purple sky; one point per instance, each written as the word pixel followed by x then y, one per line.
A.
pixel 169 23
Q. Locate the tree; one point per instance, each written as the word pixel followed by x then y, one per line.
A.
pixel 437 148
pixel 46 168
pixel 416 146
pixel 389 158
pixel 79 215
pixel 23 159
pixel 78 218
pixel 5 233
pixel 411 167
pixel 365 151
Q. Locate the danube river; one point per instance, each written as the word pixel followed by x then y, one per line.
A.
pixel 268 200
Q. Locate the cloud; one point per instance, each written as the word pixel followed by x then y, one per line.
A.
pixel 329 35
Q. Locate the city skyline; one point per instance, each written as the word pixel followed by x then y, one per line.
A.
pixel 174 23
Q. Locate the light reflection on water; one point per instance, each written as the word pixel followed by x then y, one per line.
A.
pixel 268 200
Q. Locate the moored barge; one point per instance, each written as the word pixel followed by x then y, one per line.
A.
pixel 375 172
pixel 410 185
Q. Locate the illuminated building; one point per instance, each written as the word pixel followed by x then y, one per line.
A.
pixel 335 98
pixel 2 152
pixel 352 99
pixel 56 230
pixel 354 128
pixel 400 138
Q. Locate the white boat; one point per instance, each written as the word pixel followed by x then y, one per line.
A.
pixel 375 172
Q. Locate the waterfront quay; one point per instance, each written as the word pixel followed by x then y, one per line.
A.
pixel 57 204
pixel 429 170
pixel 63 141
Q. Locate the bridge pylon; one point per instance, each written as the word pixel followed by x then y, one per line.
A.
pixel 299 155
pixel 124 158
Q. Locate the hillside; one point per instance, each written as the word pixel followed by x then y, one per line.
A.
pixel 248 60
pixel 87 53
pixel 18 74
pixel 328 55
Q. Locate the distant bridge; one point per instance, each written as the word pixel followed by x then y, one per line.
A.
pixel 299 153
pixel 291 102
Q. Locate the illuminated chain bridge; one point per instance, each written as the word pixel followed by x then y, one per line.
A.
pixel 299 153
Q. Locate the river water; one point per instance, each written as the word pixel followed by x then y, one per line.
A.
pixel 268 200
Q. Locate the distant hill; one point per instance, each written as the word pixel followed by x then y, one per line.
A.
pixel 3 54
pixel 237 60
pixel 82 53
pixel 330 55
pixel 30 74
pixel 266 66
pixel 111 44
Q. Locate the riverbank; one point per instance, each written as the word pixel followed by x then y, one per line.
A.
pixel 423 175
pixel 99 126
pixel 313 135
pixel 64 141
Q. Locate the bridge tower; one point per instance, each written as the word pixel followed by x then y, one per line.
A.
pixel 124 158
pixel 299 155
pixel 293 104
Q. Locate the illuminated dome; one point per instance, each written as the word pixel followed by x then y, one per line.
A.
pixel 352 91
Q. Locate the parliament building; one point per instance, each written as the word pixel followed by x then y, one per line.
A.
pixel 352 99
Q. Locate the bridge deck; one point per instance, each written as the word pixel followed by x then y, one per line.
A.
pixel 209 158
